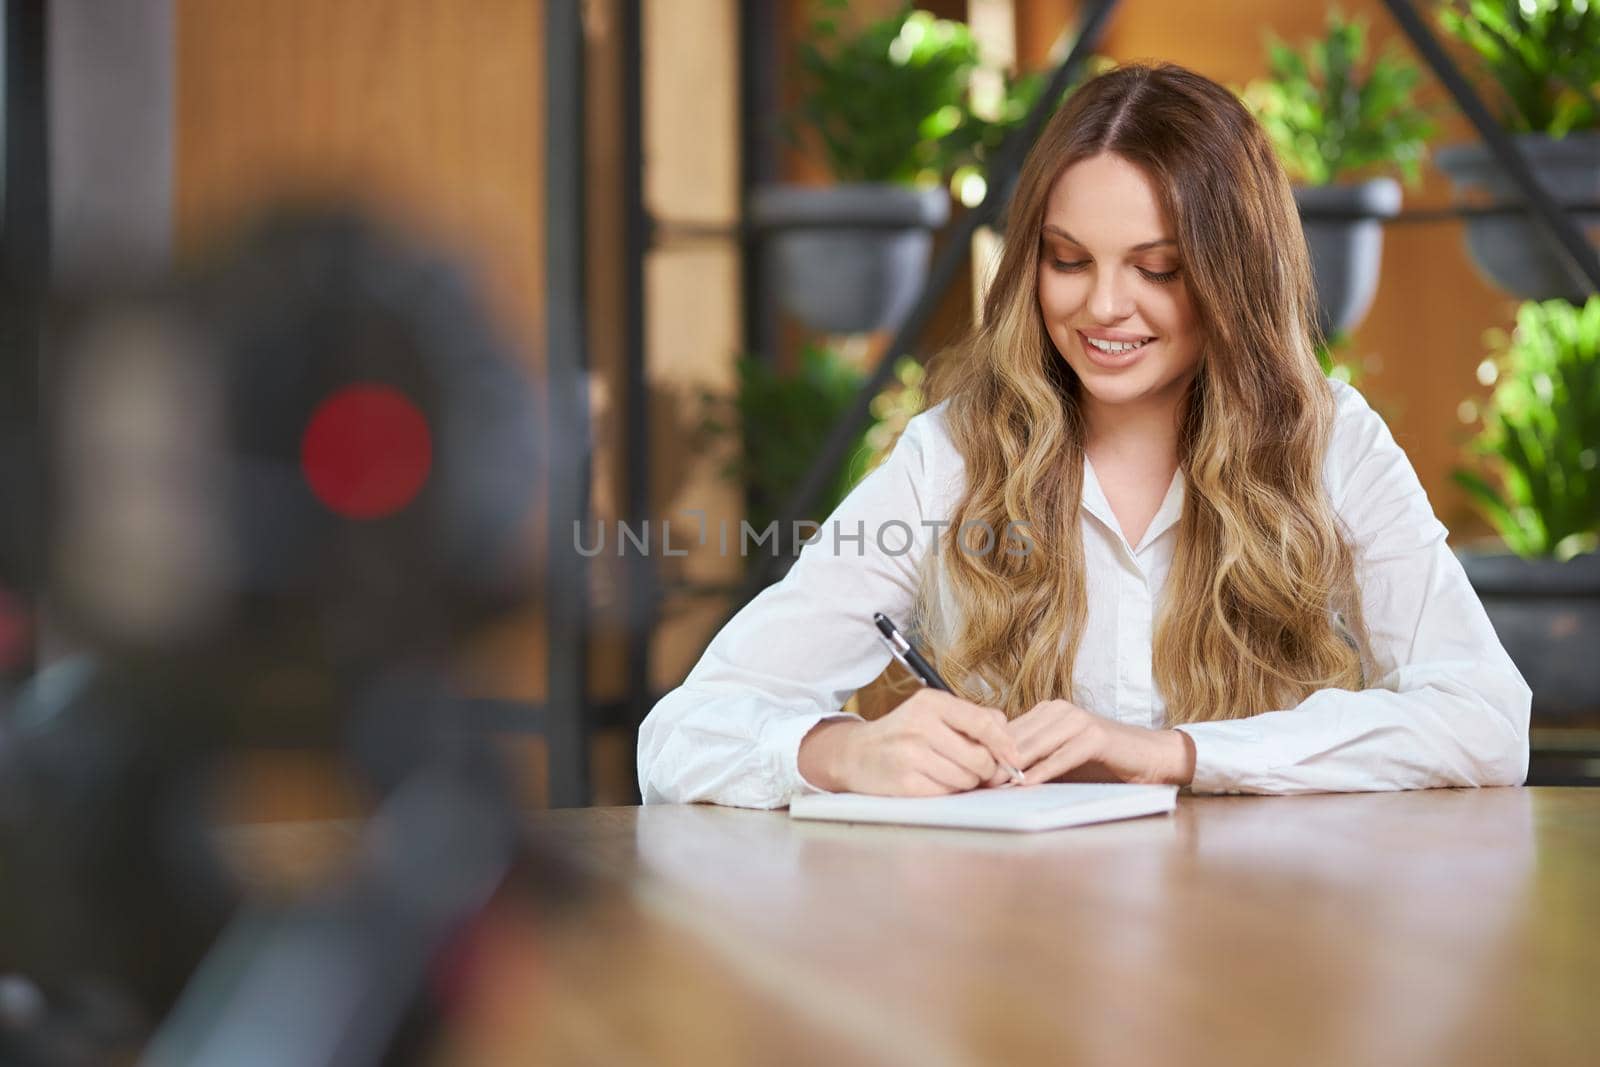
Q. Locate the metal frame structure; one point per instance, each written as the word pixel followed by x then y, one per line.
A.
pixel 759 100
pixel 1556 225
pixel 569 448
pixel 641 578
pixel 25 267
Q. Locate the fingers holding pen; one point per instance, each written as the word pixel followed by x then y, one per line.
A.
pixel 942 738
pixel 974 761
pixel 986 726
pixel 937 743
pixel 955 777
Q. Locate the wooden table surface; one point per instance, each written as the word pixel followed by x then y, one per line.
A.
pixel 1445 926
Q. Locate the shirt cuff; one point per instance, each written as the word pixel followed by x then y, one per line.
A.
pixel 784 737
pixel 1228 754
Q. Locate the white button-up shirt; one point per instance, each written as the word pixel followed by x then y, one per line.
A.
pixel 1445 707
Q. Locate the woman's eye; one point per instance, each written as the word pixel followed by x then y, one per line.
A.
pixel 1075 265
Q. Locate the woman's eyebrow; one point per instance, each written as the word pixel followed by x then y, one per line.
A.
pixel 1143 246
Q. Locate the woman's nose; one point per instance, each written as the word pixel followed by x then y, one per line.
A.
pixel 1110 300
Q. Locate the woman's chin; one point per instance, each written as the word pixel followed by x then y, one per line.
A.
pixel 1130 386
pixel 1129 393
pixel 1111 386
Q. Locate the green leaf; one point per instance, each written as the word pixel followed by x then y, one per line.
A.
pixel 891 101
pixel 1542 55
pixel 781 419
pixel 1329 113
pixel 1542 430
pixel 1486 497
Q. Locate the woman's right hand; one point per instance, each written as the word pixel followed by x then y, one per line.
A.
pixel 933 743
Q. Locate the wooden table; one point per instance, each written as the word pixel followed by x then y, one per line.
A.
pixel 1446 926
pixel 1458 927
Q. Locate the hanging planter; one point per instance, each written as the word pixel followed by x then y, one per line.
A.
pixel 889 104
pixel 1330 115
pixel 1547 615
pixel 847 258
pixel 1540 57
pixel 1344 232
pixel 1509 249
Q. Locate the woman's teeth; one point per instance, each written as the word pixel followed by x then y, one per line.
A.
pixel 1113 347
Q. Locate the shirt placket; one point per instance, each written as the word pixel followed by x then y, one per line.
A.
pixel 1135 619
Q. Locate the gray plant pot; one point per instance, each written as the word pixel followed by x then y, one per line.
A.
pixel 847 258
pixel 1547 615
pixel 1344 231
pixel 1510 250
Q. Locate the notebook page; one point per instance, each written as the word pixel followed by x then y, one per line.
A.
pixel 1037 807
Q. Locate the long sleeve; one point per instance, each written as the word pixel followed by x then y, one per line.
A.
pixel 1445 705
pixel 731 733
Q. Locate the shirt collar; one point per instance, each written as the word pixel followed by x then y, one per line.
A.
pixel 1166 516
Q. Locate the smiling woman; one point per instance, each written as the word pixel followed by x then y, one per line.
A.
pixel 1110 295
pixel 1231 578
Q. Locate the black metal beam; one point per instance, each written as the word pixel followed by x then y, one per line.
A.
pixel 999 176
pixel 1472 211
pixel 641 581
pixel 24 273
pixel 567 406
pixel 1576 254
pixel 759 103
pixel 1452 213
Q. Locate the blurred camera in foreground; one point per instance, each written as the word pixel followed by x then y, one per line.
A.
pixel 279 492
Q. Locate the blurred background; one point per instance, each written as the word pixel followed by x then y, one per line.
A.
pixel 398 395
pixel 642 193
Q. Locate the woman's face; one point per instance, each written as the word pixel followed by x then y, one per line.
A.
pixel 1111 286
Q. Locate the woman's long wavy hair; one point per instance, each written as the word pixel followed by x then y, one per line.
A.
pixel 1261 607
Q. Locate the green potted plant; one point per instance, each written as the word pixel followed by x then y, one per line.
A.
pixel 890 107
pixel 1538 483
pixel 1332 119
pixel 1544 56
pixel 780 420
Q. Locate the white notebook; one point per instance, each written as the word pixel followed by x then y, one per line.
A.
pixel 1030 807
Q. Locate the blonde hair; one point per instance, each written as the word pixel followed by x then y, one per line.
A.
pixel 1261 607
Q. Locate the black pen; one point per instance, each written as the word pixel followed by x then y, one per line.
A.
pixel 922 670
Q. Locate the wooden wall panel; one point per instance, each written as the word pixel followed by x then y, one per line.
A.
pixel 691 122
pixel 430 111
pixel 694 308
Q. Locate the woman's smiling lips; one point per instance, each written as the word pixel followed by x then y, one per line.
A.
pixel 1115 339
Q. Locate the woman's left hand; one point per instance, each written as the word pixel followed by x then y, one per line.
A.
pixel 1057 739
